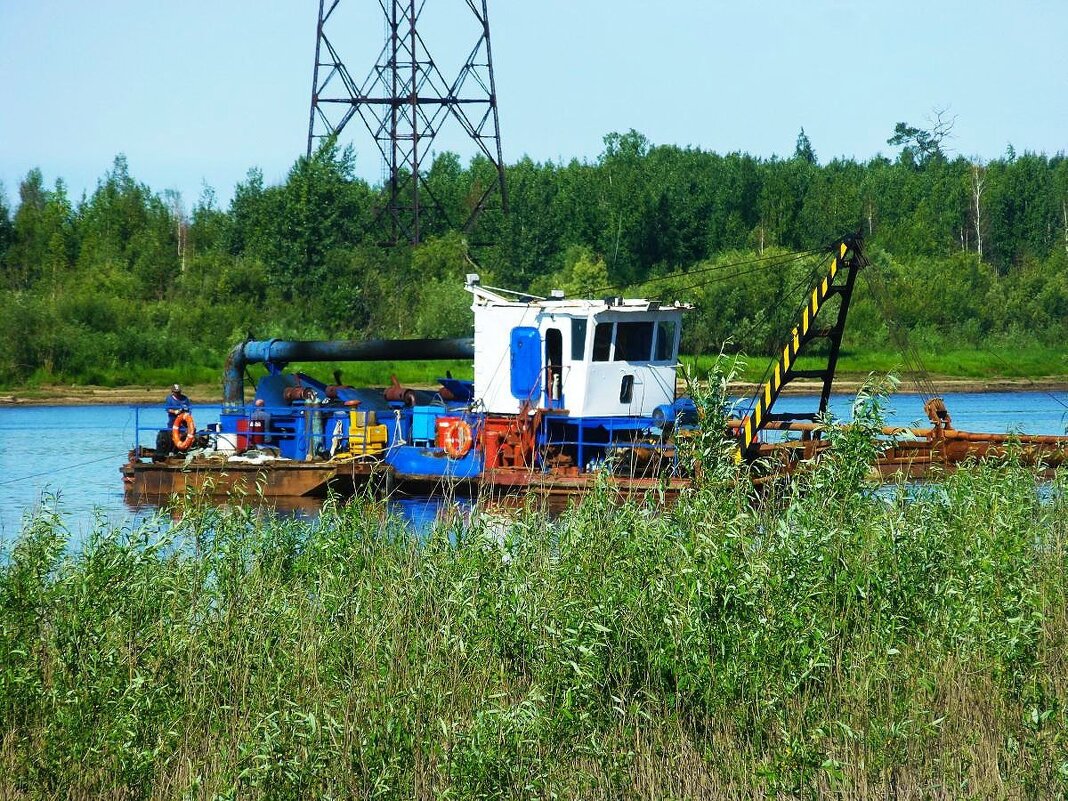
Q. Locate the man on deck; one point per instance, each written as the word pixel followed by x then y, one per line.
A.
pixel 176 402
pixel 259 425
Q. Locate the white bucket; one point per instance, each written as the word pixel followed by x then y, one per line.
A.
pixel 226 443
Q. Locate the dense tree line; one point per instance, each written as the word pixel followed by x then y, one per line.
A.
pixel 125 280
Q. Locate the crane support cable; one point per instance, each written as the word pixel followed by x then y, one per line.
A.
pixel 54 470
pixel 739 273
pixel 776 260
pixel 1028 380
pixel 913 361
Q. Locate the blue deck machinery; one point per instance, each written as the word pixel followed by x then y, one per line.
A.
pixel 311 420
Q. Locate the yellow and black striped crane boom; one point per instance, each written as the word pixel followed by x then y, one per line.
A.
pixel 839 281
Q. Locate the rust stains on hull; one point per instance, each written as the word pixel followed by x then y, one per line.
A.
pixel 271 480
pixel 146 480
pixel 927 453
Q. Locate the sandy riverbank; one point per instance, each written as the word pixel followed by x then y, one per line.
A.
pixel 66 395
pixel 212 393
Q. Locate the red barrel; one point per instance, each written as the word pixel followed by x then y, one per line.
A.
pixel 242 434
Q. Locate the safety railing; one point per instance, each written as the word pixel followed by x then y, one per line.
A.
pixel 299 432
pixel 593 448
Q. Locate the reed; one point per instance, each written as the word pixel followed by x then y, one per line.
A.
pixel 820 639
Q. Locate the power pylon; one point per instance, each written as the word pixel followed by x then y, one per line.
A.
pixel 403 103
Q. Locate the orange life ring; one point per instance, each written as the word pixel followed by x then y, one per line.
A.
pixel 458 440
pixel 186 419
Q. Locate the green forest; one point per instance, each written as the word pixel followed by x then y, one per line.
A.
pixel 127 285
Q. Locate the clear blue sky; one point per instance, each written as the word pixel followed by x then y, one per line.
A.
pixel 197 92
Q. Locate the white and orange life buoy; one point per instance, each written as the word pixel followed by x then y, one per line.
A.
pixel 458 440
pixel 183 443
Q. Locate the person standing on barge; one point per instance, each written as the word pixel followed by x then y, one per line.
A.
pixel 259 425
pixel 176 403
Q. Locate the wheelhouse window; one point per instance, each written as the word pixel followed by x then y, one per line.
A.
pixel 634 342
pixel 578 339
pixel 602 342
pixel 665 341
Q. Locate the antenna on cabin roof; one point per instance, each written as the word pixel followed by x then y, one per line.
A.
pixel 405 101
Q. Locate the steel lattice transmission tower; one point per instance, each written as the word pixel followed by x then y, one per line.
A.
pixel 404 102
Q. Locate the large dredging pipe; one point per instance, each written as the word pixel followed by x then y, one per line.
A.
pixel 281 351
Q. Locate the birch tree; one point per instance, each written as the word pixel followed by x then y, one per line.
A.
pixel 173 198
pixel 978 184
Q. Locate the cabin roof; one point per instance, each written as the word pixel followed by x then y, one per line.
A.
pixel 491 296
pixel 585 306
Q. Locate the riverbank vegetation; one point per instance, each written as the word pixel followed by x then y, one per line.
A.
pixel 129 283
pixel 821 639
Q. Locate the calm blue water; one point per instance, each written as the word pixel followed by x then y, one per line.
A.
pixel 994 412
pixel 74 452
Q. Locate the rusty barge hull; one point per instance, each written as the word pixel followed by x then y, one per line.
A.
pixel 157 480
pixel 927 453
pixel 291 480
pixel 914 460
pixel 922 460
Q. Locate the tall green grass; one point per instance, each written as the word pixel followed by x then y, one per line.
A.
pixel 816 639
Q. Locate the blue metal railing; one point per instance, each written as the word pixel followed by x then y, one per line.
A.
pixel 591 446
pixel 150 420
pixel 299 432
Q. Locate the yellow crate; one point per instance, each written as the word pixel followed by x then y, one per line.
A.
pixel 366 439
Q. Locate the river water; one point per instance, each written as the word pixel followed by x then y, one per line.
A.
pixel 73 453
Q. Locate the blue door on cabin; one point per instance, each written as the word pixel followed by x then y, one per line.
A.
pixel 526 364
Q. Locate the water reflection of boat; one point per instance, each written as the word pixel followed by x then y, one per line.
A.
pixel 494 516
pixel 290 507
